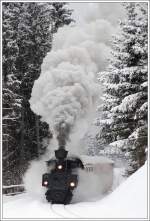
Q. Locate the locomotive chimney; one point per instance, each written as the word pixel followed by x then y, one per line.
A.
pixel 61 153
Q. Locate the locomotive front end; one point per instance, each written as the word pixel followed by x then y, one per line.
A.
pixel 62 179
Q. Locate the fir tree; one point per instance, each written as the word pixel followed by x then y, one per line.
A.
pixel 137 144
pixel 34 41
pixel 11 100
pixel 124 112
pixel 61 15
pixel 11 117
pixel 9 41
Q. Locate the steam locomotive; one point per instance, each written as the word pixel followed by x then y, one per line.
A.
pixel 62 178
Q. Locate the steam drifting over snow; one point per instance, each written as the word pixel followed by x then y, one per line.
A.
pixel 128 201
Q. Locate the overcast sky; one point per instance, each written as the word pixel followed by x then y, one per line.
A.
pixel 85 11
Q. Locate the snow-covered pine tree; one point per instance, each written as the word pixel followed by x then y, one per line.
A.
pixel 123 121
pixel 10 48
pixel 137 144
pixel 11 118
pixel 34 41
pixel 61 15
pixel 11 100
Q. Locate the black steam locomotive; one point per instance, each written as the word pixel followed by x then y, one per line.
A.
pixel 62 178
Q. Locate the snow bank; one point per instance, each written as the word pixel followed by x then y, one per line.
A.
pixel 129 200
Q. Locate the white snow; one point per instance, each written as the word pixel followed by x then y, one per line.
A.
pixel 144 107
pixel 145 84
pixel 118 144
pixel 129 102
pixel 129 200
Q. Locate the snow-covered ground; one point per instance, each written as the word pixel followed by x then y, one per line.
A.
pixel 129 200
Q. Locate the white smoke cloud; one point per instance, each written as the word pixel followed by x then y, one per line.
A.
pixel 91 186
pixel 33 179
pixel 64 93
pixel 67 88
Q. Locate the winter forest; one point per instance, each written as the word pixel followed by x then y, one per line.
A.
pixel 74 77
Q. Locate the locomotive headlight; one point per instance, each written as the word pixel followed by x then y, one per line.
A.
pixel 72 184
pixel 60 167
pixel 45 183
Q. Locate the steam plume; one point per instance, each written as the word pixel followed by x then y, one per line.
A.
pixel 63 131
pixel 65 94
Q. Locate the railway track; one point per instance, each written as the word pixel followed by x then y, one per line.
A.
pixel 62 211
pixel 69 211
